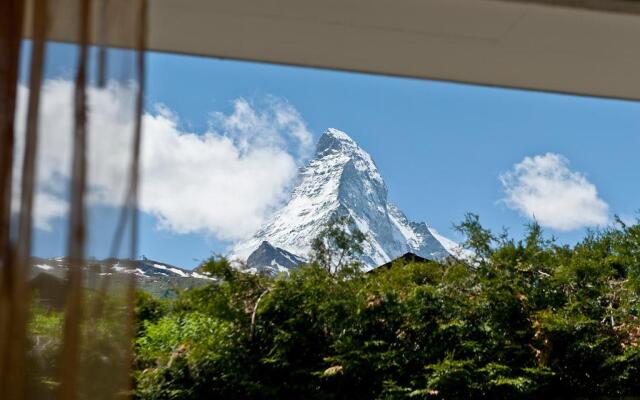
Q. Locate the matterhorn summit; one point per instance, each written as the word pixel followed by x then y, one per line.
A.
pixel 341 180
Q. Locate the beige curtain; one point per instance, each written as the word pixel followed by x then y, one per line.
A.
pixel 67 337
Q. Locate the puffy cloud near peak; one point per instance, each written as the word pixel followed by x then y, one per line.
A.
pixel 221 182
pixel 545 188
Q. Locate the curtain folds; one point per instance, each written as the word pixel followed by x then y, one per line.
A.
pixel 66 332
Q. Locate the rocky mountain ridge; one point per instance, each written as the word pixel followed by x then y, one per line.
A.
pixel 343 180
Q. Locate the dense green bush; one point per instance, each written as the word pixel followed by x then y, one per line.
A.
pixel 518 319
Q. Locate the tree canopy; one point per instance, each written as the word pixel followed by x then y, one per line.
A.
pixel 520 319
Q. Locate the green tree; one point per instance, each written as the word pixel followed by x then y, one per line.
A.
pixel 338 245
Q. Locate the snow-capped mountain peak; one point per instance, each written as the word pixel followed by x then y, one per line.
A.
pixel 343 147
pixel 343 179
pixel 334 138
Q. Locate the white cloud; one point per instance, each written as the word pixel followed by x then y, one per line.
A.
pixel 273 122
pixel 543 187
pixel 48 207
pixel 223 182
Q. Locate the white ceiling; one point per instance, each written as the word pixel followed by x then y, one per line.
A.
pixel 488 42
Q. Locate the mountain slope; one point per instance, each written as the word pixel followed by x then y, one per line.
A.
pixel 143 268
pixel 272 260
pixel 342 179
pixel 152 276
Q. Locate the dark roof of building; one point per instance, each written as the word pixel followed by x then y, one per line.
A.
pixel 403 259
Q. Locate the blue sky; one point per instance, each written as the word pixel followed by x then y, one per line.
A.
pixel 441 147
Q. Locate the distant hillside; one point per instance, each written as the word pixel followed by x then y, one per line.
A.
pixel 158 278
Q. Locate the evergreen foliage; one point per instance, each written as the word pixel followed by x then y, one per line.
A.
pixel 520 319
